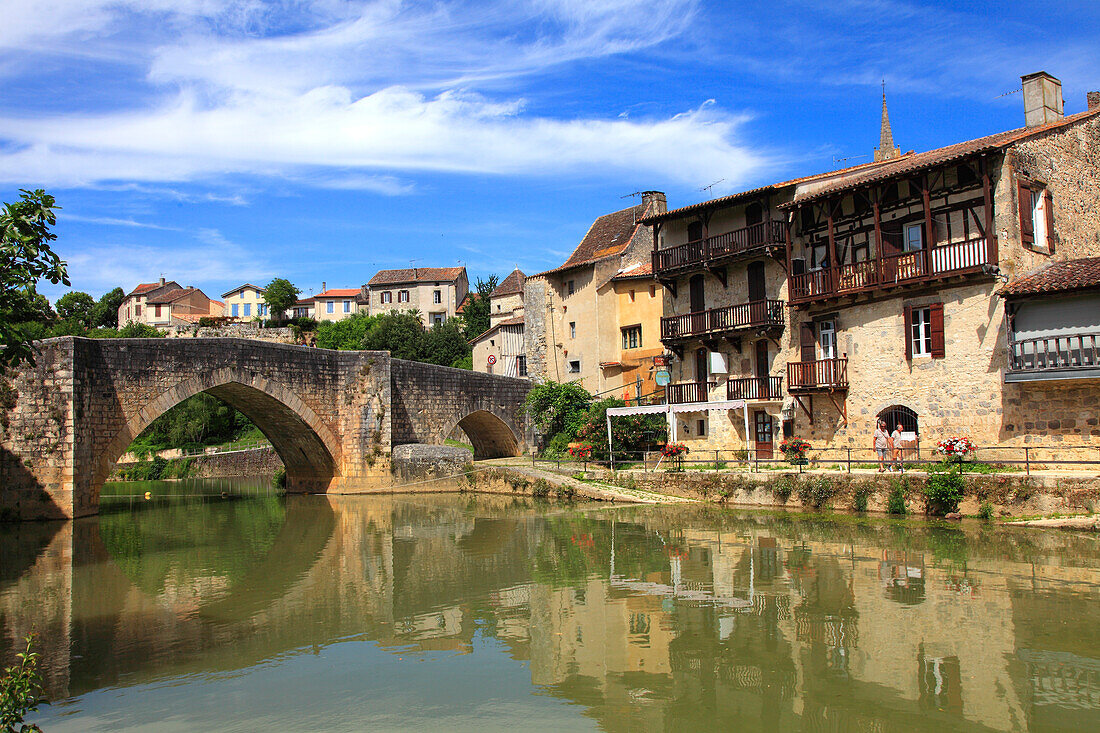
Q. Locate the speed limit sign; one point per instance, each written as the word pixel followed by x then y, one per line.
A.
pixel 492 360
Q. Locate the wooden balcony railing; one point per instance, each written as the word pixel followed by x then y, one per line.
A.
pixel 684 392
pixel 806 376
pixel 755 388
pixel 758 314
pixel 896 269
pixel 1071 351
pixel 704 251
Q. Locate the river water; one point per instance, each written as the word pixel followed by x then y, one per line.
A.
pixel 188 611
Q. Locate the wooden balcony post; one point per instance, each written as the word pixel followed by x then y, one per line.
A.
pixel 987 201
pixel 929 231
pixel 706 236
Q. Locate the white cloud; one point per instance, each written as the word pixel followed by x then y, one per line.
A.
pixel 109 221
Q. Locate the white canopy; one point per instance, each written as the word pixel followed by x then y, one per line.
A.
pixel 668 411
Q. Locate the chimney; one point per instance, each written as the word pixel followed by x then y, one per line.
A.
pixel 1042 99
pixel 162 281
pixel 653 202
pixel 1093 99
pixel 324 286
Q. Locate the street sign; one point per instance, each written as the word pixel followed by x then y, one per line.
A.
pixel 660 360
pixel 492 360
pixel 663 378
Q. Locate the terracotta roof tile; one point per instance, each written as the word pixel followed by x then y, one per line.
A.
pixel 511 284
pixel 338 293
pixel 609 235
pixel 416 275
pixel 1057 277
pixel 641 271
pixel 149 289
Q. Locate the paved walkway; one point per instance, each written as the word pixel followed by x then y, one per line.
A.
pixel 590 489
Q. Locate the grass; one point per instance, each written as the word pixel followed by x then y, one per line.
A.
pixel 458 444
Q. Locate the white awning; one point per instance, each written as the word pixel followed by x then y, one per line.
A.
pixel 687 407
pixel 639 410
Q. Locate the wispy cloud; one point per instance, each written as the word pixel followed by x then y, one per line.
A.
pixel 108 221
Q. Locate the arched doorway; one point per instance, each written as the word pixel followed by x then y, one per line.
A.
pixel 490 436
pixel 900 414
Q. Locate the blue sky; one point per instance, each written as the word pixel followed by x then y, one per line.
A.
pixel 223 141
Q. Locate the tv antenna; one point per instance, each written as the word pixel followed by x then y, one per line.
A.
pixel 837 160
pixel 708 188
pixel 1009 94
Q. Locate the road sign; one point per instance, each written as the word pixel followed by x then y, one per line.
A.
pixel 492 360
pixel 663 378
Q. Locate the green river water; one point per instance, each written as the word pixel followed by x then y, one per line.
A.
pixel 456 612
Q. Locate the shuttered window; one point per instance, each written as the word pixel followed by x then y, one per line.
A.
pixel 924 331
pixel 1027 207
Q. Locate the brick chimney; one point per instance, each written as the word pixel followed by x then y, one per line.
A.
pixel 1042 99
pixel 1093 99
pixel 324 286
pixel 162 281
pixel 654 202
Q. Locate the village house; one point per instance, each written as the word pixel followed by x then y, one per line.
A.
pixel 501 349
pixel 336 304
pixel 434 292
pixel 302 308
pixel 574 327
pixel 166 303
pixel 874 292
pixel 246 302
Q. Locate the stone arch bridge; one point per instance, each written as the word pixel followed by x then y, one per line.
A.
pixel 332 416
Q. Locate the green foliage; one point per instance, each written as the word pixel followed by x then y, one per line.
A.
pixel 860 498
pixel 466 362
pixel 134 330
pixel 280 295
pixel 943 492
pixel 783 488
pixel 817 491
pixel 196 422
pixel 629 433
pixel 475 314
pixel 25 259
pixel 76 306
pixel 443 344
pixel 985 511
pixel 279 479
pixel 559 411
pixel 895 502
pixel 21 691
pixel 397 333
pixel 344 335
pixel 105 311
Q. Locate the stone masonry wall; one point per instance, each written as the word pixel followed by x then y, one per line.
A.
pixel 233 330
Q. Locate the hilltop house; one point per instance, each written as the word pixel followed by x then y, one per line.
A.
pixel 501 349
pixel 245 302
pixel 435 292
pixel 166 303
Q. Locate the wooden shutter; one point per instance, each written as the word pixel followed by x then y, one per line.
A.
pixel 1027 226
pixel 1049 206
pixel 908 332
pixel 808 342
pixel 938 351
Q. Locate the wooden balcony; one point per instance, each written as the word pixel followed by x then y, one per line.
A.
pixel 685 392
pixel 1071 356
pixel 944 260
pixel 817 376
pixel 756 315
pixel 755 388
pixel 717 249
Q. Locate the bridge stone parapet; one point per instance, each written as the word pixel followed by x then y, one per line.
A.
pixel 65 421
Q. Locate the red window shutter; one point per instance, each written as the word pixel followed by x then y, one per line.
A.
pixel 1049 206
pixel 808 342
pixel 908 332
pixel 938 350
pixel 1027 227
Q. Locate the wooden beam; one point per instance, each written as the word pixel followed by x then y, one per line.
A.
pixel 987 200
pixel 841 407
pixel 929 231
pixel 809 412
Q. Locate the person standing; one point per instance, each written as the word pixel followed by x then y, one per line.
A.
pixel 881 444
pixel 896 441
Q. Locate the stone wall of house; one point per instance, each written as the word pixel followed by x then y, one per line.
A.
pixel 1051 415
pixel 503 307
pixel 536 291
pixel 252 331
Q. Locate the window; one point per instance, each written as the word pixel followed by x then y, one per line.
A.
pixel 437 319
pixel 572 329
pixel 575 366
pixel 632 337
pixel 347 307
pixel 386 297
pixel 570 288
pixel 437 296
pixel 631 296
pixel 913 240
pixel 695 231
pixel 242 295
pixel 137 310
pixel 247 310
pixel 702 427
pixel 402 296
pixel 827 339
pixel 156 311
pixel 521 366
pixel 330 306
pixel 1036 215
pixel 233 310
pixel 924 331
pixel 653 291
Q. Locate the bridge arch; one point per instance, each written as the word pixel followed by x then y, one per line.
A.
pixel 309 449
pixel 490 435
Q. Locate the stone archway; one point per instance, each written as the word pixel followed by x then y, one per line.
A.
pixel 490 435
pixel 308 448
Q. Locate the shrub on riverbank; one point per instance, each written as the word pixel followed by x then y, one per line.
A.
pixel 943 491
pixel 895 503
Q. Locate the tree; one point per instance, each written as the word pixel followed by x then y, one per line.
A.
pixel 76 306
pixel 397 333
pixel 557 408
pixel 280 295
pixel 346 334
pixel 475 314
pixel 25 258
pixel 136 330
pixel 105 312
pixel 443 344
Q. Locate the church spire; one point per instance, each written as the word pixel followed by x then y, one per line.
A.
pixel 886 149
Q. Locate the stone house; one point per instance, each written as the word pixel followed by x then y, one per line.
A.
pixel 246 302
pixel 436 292
pixel 501 348
pixel 873 291
pixel 336 304
pixel 573 328
pixel 166 303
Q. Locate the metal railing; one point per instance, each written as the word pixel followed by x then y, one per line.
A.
pixel 1071 351
pixel 757 314
pixel 702 251
pixel 820 374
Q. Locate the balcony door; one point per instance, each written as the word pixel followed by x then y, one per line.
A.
pixel 758 308
pixel 763 368
pixel 701 374
pixel 697 304
pixel 762 427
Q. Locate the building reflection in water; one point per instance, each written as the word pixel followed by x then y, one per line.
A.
pixel 647 618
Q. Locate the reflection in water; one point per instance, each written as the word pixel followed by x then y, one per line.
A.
pixel 455 612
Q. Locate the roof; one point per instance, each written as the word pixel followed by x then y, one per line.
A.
pixel 1056 277
pixel 517 321
pixel 609 235
pixel 416 275
pixel 338 293
pixel 511 285
pixel 643 271
pixel 257 288
pixel 304 301
pixel 462 306
pixel 909 163
pixel 171 296
pixel 149 288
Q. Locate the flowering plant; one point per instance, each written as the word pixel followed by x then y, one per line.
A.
pixel 674 450
pixel 955 449
pixel 795 450
pixel 581 450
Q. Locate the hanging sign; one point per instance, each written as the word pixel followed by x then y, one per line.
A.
pixel 660 361
pixel 663 378
pixel 492 360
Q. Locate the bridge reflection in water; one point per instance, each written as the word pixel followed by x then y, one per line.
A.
pixel 308 612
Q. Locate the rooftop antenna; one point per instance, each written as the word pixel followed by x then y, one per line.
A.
pixel 837 161
pixel 708 188
pixel 1008 94
pixel 413 263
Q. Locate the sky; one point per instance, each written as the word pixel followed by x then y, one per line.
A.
pixel 217 142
